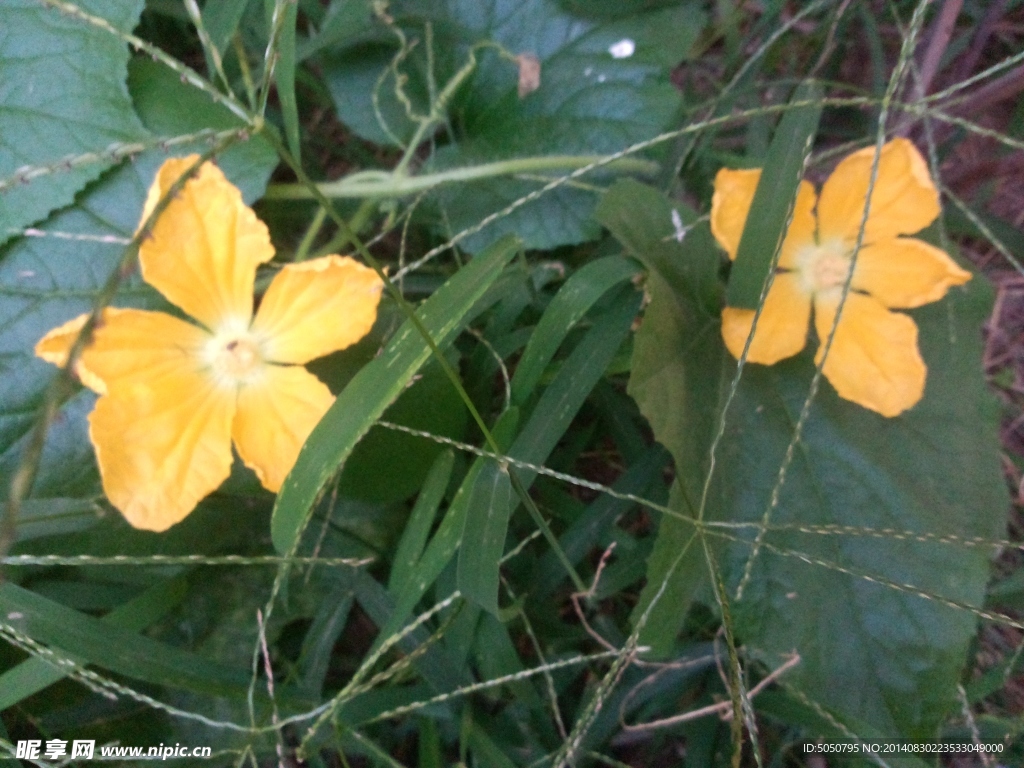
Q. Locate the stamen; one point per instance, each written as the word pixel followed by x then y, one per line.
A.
pixel 234 358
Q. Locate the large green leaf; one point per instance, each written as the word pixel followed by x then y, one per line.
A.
pixel 882 655
pixel 45 281
pixel 63 86
pixel 604 85
pixel 873 654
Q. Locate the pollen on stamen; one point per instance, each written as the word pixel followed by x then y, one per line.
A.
pixel 235 359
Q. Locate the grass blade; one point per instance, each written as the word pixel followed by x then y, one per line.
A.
pixel 116 648
pixel 284 78
pixel 773 200
pixel 414 537
pixel 483 537
pixel 33 675
pixel 567 308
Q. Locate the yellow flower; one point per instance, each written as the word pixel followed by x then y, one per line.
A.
pixel 174 395
pixel 874 360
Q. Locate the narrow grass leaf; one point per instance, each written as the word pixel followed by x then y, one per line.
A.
pixel 7 762
pixel 318 644
pixel 486 526
pixel 414 537
pixel 51 517
pixel 443 545
pixel 35 674
pixel 116 648
pixel 483 535
pixel 284 78
pixel 376 386
pixel 566 309
pixel 434 665
pixel 585 533
pixel 773 201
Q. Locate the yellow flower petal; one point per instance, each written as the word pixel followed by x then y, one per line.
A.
pixel 874 360
pixel 275 416
pixel 163 442
pixel 127 344
pixel 904 199
pixel 317 307
pixel 905 272
pixel 781 328
pixel 730 205
pixel 204 249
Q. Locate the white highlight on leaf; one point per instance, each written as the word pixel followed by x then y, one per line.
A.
pixel 677 225
pixel 623 49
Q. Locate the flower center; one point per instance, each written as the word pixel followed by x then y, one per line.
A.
pixel 823 268
pixel 234 357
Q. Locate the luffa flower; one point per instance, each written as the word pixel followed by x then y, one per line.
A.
pixel 874 360
pixel 174 395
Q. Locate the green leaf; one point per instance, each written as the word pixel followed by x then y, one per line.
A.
pixel 169 107
pixel 10 762
pixel 115 648
pixel 430 404
pixel 593 97
pixel 284 78
pixel 885 656
pixel 345 20
pixel 446 539
pixel 434 663
pixel 376 386
pixel 221 20
pixel 678 376
pixel 570 304
pixel 35 674
pixel 483 537
pixel 600 516
pixel 46 280
pixel 64 95
pixel 773 201
pixel 318 644
pixel 414 537
pixel 55 516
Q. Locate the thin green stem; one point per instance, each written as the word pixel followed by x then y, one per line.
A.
pixel 243 66
pixel 341 238
pixel 302 252
pixel 204 39
pixel 381 184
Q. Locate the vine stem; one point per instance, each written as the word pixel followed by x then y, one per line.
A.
pixel 381 184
